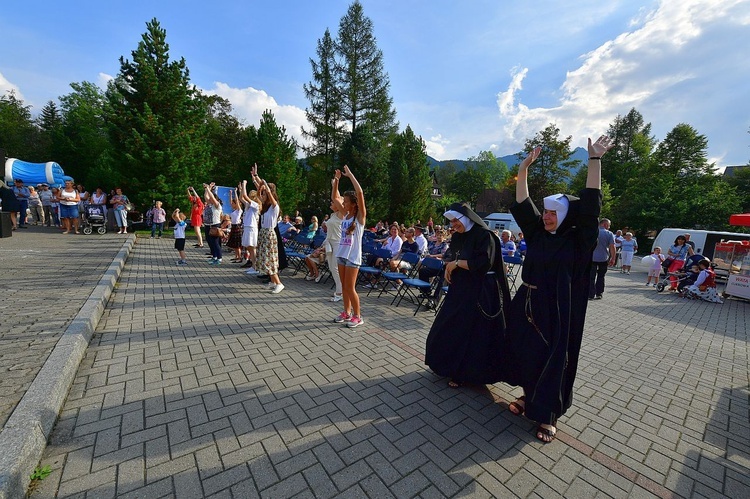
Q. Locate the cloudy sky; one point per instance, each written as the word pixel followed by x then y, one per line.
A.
pixel 467 76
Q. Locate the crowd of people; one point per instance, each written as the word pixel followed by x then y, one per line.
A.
pixel 63 207
pixel 481 334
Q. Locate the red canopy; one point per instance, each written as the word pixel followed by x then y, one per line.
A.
pixel 741 219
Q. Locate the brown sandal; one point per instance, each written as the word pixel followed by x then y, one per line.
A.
pixel 546 435
pixel 517 409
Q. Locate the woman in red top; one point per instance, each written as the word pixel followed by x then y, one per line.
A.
pixel 196 215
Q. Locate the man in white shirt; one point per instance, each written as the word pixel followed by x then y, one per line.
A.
pixel 420 240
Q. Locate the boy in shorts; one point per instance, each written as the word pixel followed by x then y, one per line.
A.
pixel 179 235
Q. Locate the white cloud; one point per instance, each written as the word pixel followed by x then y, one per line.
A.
pixel 669 67
pixel 250 103
pixel 436 146
pixel 6 86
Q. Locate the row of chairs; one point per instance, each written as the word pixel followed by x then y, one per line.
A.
pixel 428 294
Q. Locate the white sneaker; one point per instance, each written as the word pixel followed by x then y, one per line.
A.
pixel 270 285
pixel 277 289
pixel 251 271
pixel 335 298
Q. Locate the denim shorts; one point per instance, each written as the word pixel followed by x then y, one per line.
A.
pixel 347 263
pixel 68 211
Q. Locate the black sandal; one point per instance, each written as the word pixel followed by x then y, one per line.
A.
pixel 545 435
pixel 517 409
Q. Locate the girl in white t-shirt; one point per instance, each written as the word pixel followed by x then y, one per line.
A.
pixel 250 221
pixel 349 253
pixel 268 250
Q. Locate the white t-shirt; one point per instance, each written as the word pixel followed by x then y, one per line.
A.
pixel 350 245
pixel 235 216
pixel 251 215
pixel 268 220
pixel 179 230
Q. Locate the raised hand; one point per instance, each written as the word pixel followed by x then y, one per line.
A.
pixel 528 160
pixel 347 171
pixel 337 174
pixel 600 147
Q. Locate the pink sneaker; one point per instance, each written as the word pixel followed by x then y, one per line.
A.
pixel 355 321
pixel 343 317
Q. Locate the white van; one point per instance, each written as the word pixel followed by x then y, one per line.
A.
pixel 501 222
pixel 705 241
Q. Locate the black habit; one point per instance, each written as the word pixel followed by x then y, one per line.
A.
pixel 547 315
pixel 468 331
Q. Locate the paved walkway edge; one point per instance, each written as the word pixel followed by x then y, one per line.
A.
pixel 26 432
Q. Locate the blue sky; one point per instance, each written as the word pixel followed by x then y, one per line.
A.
pixel 467 76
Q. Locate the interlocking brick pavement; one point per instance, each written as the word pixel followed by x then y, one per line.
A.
pixel 45 279
pixel 199 383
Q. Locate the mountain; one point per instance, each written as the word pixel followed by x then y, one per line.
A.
pixel 511 160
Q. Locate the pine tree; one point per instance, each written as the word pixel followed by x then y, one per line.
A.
pixel 361 79
pixel 411 184
pixel 324 113
pixel 368 160
pixel 85 150
pixel 18 133
pixel 633 144
pixel 275 153
pixel 158 123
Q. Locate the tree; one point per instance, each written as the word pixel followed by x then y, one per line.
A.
pixel 368 160
pixel 85 151
pixel 550 172
pixel 494 170
pixel 411 185
pixel 363 85
pixel 324 114
pixel 275 153
pixel 677 188
pixel 228 141
pixel 633 144
pixel 158 123
pixel 18 134
pixel 49 124
pixel 740 180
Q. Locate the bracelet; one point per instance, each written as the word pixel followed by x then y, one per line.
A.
pixel 595 157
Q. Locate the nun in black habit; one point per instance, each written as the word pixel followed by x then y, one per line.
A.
pixel 468 331
pixel 547 313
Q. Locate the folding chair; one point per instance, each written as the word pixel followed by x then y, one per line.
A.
pixel 418 290
pixel 389 279
pixel 513 269
pixel 296 251
pixel 372 274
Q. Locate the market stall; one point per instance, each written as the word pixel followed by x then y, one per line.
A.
pixel 736 256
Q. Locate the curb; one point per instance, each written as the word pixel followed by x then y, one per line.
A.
pixel 24 437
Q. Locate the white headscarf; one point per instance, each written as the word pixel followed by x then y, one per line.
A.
pixel 465 221
pixel 559 204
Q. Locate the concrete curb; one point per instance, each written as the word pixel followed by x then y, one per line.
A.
pixel 24 437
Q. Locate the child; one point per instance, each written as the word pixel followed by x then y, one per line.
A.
pixel 159 217
pixel 317 257
pixel 655 270
pixel 235 234
pixel 179 235
pixel 705 286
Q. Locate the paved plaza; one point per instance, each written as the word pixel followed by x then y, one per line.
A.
pixel 199 383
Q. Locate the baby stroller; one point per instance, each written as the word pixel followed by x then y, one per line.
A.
pixel 94 218
pixel 685 275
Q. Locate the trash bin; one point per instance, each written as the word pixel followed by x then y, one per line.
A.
pixel 6 226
